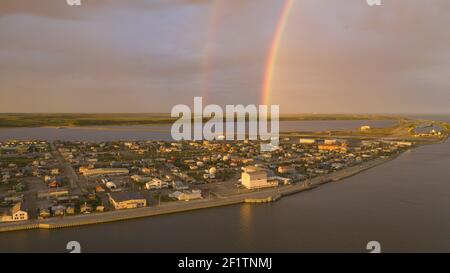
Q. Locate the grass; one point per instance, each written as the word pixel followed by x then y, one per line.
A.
pixel 403 129
pixel 71 120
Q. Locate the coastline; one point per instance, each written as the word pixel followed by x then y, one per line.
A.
pixel 262 196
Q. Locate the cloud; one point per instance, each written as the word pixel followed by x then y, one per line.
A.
pixel 336 56
pixel 391 58
pixel 59 8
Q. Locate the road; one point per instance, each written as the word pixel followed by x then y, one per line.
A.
pixel 68 170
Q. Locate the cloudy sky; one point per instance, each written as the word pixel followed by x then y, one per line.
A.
pixel 148 55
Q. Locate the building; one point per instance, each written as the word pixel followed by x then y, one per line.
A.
pixel 85 208
pixel 99 189
pixel 51 194
pixel 187 195
pixel 44 213
pixel 286 169
pixel 104 171
pixel 282 180
pixel 140 179
pixel 330 141
pixel 18 213
pixel 179 186
pixel 70 210
pixel 127 200
pixel 156 184
pixel 111 186
pixel 404 143
pixel 307 141
pixel 58 210
pixel 337 148
pixel 256 178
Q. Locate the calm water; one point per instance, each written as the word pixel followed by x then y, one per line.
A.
pixel 162 132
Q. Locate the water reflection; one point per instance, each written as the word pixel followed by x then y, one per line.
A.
pixel 247 225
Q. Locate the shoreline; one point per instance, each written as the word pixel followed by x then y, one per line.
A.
pixel 256 197
pixel 23 120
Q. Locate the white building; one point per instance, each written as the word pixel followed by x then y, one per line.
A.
pixel 104 171
pixel 111 186
pixel 256 178
pixel 307 141
pixel 140 179
pixel 179 186
pixel 187 195
pixel 156 184
pixel 286 169
pixel 330 141
pixel 18 213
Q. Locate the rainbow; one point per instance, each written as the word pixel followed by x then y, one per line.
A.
pixel 273 52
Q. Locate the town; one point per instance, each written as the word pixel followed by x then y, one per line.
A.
pixel 42 180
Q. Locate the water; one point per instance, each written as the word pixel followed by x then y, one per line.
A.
pixel 162 132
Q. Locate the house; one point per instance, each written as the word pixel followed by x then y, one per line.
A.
pixel 54 184
pixel 209 176
pixel 332 147
pixel 282 180
pixel 58 210
pixel 86 208
pixel 404 143
pixel 307 141
pixel 111 186
pixel 18 213
pixel 140 179
pixel 286 169
pixel 70 210
pixel 256 178
pixel 99 189
pixel 146 170
pixel 127 200
pixel 330 142
pixel 156 184
pixel 186 195
pixel 52 194
pixel 103 171
pixel 44 213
